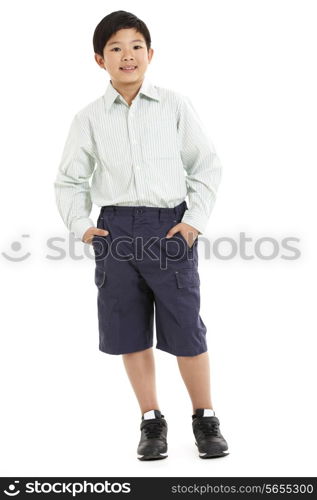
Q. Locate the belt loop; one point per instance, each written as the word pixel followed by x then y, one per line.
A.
pixel 160 214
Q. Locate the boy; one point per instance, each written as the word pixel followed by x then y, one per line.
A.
pixel 143 140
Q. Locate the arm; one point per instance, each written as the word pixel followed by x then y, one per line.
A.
pixel 202 165
pixel 72 189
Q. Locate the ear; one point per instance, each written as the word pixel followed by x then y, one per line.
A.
pixel 150 54
pixel 100 61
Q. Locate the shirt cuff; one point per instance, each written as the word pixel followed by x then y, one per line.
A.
pixel 80 226
pixel 195 221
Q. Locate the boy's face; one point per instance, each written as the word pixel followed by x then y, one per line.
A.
pixel 127 47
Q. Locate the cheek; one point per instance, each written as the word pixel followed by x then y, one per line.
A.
pixel 142 61
pixel 114 66
pixel 112 61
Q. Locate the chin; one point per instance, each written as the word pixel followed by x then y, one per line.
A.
pixel 126 77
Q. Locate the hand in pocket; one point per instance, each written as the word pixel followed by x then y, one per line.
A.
pixel 93 231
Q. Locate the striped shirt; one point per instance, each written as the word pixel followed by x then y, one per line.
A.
pixel 152 153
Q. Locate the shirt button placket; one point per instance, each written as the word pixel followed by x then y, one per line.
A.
pixel 134 143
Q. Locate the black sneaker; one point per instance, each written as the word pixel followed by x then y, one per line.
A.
pixel 153 444
pixel 209 440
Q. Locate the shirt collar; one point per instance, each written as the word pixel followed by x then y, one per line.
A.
pixel 147 89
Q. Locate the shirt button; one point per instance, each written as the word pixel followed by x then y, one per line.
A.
pixel 137 167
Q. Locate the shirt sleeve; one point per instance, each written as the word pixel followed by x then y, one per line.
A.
pixel 72 188
pixel 202 166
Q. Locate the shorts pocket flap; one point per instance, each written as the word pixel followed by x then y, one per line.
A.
pixel 187 277
pixel 100 276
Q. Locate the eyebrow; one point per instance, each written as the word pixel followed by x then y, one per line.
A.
pixel 112 43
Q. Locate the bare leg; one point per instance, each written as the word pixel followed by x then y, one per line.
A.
pixel 140 368
pixel 195 372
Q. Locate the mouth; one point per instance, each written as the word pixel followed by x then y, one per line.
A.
pixel 128 69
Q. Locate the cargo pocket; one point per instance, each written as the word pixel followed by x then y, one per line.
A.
pixel 187 296
pixel 100 277
pixel 187 278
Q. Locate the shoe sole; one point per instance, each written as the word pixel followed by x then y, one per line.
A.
pixel 216 454
pixel 152 457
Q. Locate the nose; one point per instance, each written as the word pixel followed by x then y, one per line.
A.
pixel 127 56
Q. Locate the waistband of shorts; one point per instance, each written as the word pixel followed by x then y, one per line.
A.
pixel 131 210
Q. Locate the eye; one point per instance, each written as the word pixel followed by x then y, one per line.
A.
pixel 118 48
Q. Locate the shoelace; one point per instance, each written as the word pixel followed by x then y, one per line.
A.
pixel 208 427
pixel 153 429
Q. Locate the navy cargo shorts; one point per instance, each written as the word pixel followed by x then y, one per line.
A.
pixel 139 270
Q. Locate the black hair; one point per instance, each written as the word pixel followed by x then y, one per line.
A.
pixel 114 22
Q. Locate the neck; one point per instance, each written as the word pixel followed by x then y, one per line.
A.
pixel 127 90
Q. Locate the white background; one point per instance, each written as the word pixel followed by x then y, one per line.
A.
pixel 68 409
